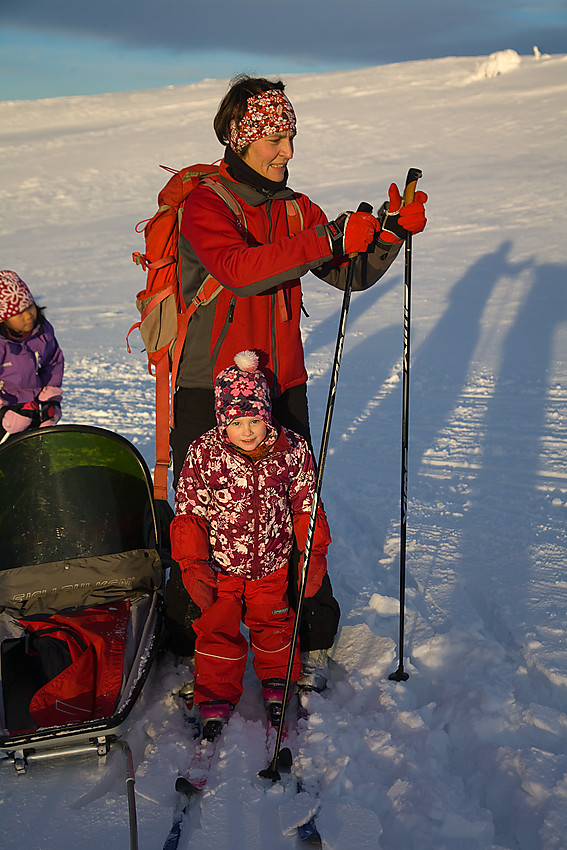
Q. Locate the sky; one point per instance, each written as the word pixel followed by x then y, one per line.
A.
pixel 61 47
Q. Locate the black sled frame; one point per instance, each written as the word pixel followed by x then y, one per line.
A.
pixel 79 530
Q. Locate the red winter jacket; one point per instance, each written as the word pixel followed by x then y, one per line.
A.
pixel 241 514
pixel 260 267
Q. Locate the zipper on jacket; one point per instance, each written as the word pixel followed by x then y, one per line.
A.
pixel 273 305
pixel 270 220
pixel 273 334
pixel 224 330
pixel 255 508
pixel 255 566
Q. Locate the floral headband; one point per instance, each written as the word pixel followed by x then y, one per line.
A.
pixel 268 112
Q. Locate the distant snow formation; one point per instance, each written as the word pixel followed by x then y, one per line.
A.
pixel 497 63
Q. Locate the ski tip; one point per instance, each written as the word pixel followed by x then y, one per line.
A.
pixel 183 786
pixel 313 841
pixel 309 835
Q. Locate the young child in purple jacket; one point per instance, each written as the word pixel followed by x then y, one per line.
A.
pixel 31 361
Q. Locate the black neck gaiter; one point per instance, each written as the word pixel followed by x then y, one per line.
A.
pixel 240 171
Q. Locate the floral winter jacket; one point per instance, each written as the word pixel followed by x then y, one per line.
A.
pixel 259 266
pixel 241 514
pixel 28 365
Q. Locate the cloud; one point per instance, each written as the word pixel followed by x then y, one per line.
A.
pixel 361 31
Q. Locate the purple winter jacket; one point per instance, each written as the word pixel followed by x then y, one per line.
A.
pixel 26 366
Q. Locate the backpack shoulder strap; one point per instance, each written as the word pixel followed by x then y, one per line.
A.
pixel 207 292
pixel 227 196
pixel 295 220
pixel 295 224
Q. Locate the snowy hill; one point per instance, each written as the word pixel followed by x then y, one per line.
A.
pixel 469 752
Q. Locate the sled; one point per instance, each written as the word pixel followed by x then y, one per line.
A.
pixel 81 574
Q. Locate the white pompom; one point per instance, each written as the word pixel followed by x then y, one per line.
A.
pixel 247 361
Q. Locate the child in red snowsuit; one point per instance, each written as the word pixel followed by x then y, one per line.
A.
pixel 245 490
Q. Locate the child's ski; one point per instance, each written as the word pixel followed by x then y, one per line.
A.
pixel 309 834
pixel 172 840
pixel 306 832
pixel 195 779
pixel 188 785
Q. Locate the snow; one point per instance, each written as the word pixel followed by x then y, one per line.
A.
pixel 470 751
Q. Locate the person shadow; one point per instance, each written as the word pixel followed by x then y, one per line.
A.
pixel 518 505
pixel 367 445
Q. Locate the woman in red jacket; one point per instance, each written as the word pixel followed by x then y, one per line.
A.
pixel 259 258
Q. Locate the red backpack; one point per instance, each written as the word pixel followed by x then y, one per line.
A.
pixel 164 317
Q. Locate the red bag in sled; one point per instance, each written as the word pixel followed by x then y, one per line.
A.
pixel 88 688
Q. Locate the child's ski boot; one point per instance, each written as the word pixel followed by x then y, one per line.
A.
pixel 315 666
pixel 214 714
pixel 273 692
pixel 191 708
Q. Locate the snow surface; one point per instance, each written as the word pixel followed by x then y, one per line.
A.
pixel 471 751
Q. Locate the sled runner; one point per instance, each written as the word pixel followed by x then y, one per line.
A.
pixel 80 590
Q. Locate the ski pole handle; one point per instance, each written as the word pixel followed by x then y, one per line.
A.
pixel 411 180
pixel 362 207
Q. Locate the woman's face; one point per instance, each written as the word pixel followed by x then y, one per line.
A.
pixel 23 322
pixel 270 155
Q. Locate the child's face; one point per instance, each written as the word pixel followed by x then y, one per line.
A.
pixel 22 323
pixel 246 432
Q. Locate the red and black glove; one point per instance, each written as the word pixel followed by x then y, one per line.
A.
pixel 399 220
pixel 200 582
pixel 50 400
pixel 351 233
pixel 17 418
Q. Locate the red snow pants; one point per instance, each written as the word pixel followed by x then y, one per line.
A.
pixel 221 649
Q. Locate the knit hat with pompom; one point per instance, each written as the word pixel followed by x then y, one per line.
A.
pixel 15 296
pixel 242 390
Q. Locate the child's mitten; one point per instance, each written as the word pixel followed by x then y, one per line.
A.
pixel 50 398
pixel 200 582
pixel 15 421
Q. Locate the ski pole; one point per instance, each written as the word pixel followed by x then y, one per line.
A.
pixel 400 675
pixel 130 792
pixel 284 757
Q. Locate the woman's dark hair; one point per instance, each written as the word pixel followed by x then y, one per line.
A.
pixel 39 321
pixel 235 102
